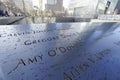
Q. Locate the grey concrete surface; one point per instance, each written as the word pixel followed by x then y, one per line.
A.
pixel 37 20
pixel 9 20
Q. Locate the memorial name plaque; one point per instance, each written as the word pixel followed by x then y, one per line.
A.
pixel 63 51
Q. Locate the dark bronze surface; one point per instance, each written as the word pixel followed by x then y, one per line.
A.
pixel 74 51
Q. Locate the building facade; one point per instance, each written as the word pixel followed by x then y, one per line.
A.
pixel 91 8
pixel 117 8
pixel 107 6
pixel 40 4
pixel 54 5
pixel 83 8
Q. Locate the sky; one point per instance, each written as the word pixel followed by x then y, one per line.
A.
pixel 35 2
pixel 66 3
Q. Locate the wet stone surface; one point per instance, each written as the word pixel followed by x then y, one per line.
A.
pixel 74 51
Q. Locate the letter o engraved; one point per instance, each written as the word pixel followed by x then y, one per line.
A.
pixel 52 53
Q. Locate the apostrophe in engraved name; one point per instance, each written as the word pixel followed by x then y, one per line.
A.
pixel 54 52
pixel 26 62
pixel 76 71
